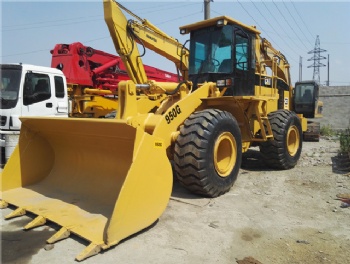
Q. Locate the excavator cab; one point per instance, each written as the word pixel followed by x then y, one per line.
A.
pixel 307 103
pixel 221 52
pixel 306 95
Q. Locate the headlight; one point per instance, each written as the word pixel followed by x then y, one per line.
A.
pixel 224 83
pixel 220 83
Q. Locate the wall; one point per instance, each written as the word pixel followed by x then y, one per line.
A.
pixel 336 106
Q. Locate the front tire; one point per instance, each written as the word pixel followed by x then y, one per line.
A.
pixel 283 152
pixel 208 152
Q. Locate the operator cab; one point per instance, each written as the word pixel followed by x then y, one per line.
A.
pixel 306 98
pixel 222 51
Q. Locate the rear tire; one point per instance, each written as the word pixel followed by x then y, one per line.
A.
pixel 283 152
pixel 208 152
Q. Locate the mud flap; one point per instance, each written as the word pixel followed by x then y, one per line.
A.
pixel 100 179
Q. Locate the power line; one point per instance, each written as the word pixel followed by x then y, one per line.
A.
pixel 256 22
pixel 24 53
pixel 44 24
pixel 48 26
pixel 337 43
pixel 282 28
pixel 48 50
pixel 170 20
pixel 261 28
pixel 295 21
pixel 49 21
pixel 78 22
pixel 301 19
pixel 166 5
pixel 156 9
pixel 273 28
pixel 289 24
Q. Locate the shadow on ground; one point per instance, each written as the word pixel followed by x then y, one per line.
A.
pixel 341 163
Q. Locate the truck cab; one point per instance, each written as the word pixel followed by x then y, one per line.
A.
pixel 28 90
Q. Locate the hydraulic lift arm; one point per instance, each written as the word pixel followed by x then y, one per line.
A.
pixel 281 67
pixel 126 33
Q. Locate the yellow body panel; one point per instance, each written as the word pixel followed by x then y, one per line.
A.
pixel 213 21
pixel 93 106
pixel 91 103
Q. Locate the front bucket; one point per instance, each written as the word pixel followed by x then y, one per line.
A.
pixel 100 179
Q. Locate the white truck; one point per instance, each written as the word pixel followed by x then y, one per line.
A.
pixel 28 90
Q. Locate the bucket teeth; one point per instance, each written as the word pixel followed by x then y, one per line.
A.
pixel 38 221
pixel 3 204
pixel 61 234
pixel 89 251
pixel 15 213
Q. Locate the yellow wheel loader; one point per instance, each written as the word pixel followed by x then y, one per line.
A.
pixel 107 179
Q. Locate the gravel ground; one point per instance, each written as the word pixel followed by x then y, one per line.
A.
pixel 267 217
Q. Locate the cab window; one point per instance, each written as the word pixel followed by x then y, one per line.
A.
pixel 304 93
pixel 37 88
pixel 241 46
pixel 59 85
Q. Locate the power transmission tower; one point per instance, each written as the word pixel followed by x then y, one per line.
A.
pixel 316 58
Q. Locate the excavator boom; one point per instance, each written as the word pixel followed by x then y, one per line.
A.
pixel 126 33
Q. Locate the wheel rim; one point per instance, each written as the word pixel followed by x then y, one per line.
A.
pixel 293 140
pixel 225 154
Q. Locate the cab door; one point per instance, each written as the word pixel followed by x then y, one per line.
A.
pixel 61 97
pixel 40 96
pixel 243 70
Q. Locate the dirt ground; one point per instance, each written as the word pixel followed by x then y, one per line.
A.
pixel 268 217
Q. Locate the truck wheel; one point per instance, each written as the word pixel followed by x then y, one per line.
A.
pixel 283 152
pixel 208 152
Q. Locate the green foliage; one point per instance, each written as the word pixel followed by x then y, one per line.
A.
pixel 345 141
pixel 327 131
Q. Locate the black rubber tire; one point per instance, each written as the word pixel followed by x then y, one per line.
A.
pixel 202 134
pixel 276 153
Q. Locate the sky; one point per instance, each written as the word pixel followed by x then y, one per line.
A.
pixel 29 30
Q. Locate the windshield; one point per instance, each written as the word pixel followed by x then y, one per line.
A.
pixel 304 93
pixel 211 50
pixel 9 86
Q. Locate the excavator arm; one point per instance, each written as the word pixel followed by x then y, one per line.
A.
pixel 123 42
pixel 126 33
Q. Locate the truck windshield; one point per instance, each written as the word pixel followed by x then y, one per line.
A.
pixel 9 86
pixel 211 50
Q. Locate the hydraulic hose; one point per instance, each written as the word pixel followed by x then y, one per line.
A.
pixel 177 88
